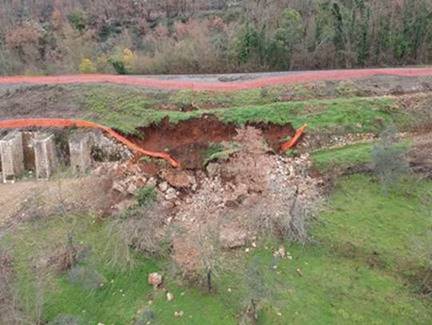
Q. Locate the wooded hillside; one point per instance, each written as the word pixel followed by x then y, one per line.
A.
pixel 198 36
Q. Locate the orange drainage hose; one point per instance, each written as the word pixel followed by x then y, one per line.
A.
pixel 47 123
pixel 291 143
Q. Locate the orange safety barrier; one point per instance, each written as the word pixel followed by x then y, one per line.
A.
pixel 291 143
pixel 48 123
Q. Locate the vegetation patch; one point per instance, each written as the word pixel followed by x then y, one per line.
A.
pixel 347 156
pixel 366 246
pixel 146 196
pixel 352 115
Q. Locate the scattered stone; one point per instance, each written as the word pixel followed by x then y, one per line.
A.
pixel 280 252
pixel 212 169
pixel 169 296
pixel 118 186
pixel 155 279
pixel 171 194
pixel 179 314
pixel 163 187
pixel 132 188
pixel 178 178
pixel 168 205
pixel 152 182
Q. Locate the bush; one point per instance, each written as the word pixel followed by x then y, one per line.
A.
pixel 258 291
pixel 140 230
pixel 146 196
pixel 389 159
pixel 123 61
pixel 78 20
pixel 87 66
pixel 65 320
pixel 87 277
pixel 118 66
pixel 147 317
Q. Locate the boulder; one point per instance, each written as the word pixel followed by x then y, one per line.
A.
pixel 155 279
pixel 169 296
pixel 179 178
pixel 163 187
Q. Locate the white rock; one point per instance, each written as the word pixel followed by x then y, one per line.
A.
pixel 169 296
pixel 119 187
pixel 163 187
pixel 171 194
pixel 151 182
pixel 179 313
pixel 132 188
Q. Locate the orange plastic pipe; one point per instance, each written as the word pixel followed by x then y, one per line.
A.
pixel 291 143
pixel 48 123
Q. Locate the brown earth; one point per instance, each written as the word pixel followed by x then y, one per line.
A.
pixel 29 199
pixel 187 141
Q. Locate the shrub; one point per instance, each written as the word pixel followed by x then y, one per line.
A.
pixel 87 277
pixel 146 196
pixel 129 58
pixel 87 66
pixel 258 291
pixel 118 66
pixel 65 320
pixel 123 61
pixel 389 158
pixel 78 20
pixel 147 317
pixel 140 231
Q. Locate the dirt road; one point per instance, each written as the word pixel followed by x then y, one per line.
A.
pixel 217 82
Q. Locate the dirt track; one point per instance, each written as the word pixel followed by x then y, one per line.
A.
pixel 241 82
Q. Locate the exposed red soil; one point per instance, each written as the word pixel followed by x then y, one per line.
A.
pixel 188 140
pixel 148 82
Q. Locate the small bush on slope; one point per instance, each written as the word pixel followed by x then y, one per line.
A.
pixel 389 159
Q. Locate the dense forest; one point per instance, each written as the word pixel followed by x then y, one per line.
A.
pixel 198 36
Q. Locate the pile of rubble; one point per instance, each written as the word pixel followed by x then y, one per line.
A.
pixel 251 189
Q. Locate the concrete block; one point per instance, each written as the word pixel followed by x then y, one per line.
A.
pixel 29 154
pixel 80 146
pixel 46 160
pixel 12 156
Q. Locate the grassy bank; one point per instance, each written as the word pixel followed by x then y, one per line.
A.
pixel 342 115
pixel 363 267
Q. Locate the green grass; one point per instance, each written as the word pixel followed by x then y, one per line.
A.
pixel 360 268
pixel 343 115
pixel 347 156
pixel 126 291
pixel 360 218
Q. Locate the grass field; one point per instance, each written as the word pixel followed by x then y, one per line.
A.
pixel 363 266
